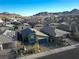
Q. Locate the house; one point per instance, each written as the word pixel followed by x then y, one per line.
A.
pixel 7 39
pixel 30 35
pixel 6 42
pixel 48 30
pixel 10 33
pixel 64 26
pixel 55 35
pixel 26 36
pixel 20 27
pixel 41 37
pixel 71 27
pixel 24 26
pixel 52 31
pixel 9 25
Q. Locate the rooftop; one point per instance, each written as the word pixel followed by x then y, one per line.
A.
pixel 5 39
pixel 60 32
pixel 38 33
pixel 52 31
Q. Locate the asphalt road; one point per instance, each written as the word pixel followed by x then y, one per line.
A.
pixel 70 54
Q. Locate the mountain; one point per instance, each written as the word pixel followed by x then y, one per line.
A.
pixel 6 14
pixel 43 14
pixel 75 11
pixel 72 12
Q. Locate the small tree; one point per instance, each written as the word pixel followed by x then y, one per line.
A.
pixel 36 48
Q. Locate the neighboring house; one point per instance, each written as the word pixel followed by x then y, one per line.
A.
pixel 10 33
pixel 64 26
pixel 72 27
pixel 6 42
pixel 49 30
pixel 20 27
pixel 9 25
pixel 56 35
pixel 7 39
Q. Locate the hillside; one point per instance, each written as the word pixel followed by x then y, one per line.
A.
pixel 6 14
pixel 72 12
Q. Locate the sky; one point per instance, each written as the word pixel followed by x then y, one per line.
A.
pixel 31 7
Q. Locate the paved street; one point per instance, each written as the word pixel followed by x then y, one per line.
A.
pixel 70 54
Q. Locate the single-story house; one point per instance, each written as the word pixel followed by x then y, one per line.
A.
pixel 54 33
pixel 22 26
pixel 9 25
pixel 72 27
pixel 6 42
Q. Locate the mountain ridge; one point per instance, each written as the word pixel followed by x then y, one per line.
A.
pixel 72 12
